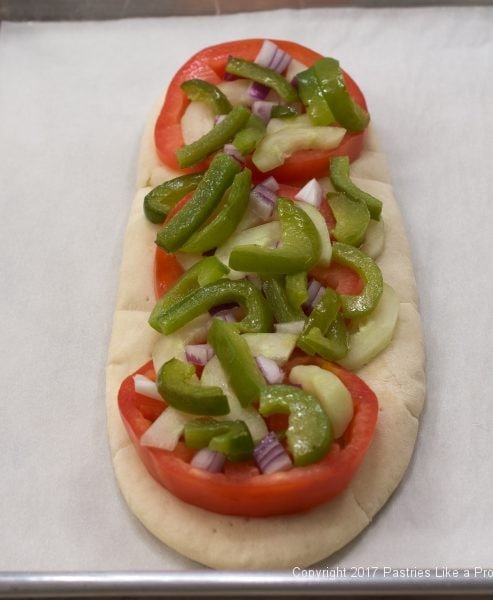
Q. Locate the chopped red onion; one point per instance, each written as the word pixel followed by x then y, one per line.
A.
pixel 233 151
pixel 258 91
pixel 270 456
pixel 226 315
pixel 218 119
pixel 311 193
pixel 199 354
pixel 294 327
pixel 271 183
pixel 318 295
pixel 262 109
pixel 270 369
pixel 313 289
pixel 208 460
pixel 266 53
pixel 273 57
pixel 263 201
pixel 146 387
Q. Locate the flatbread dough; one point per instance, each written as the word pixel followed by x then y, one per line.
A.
pixel 396 376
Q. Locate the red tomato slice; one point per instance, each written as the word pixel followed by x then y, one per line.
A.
pixel 240 490
pixel 210 65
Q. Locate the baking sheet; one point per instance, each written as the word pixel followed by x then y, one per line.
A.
pixel 73 100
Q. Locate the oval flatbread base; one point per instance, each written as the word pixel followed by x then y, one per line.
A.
pixel 396 376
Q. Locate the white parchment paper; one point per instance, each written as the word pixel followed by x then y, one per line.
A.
pixel 73 101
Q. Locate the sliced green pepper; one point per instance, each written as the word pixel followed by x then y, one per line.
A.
pixel 300 245
pixel 354 306
pixel 207 196
pixel 339 175
pixel 232 438
pixel 283 112
pixel 309 433
pixel 244 293
pixel 199 90
pixel 313 98
pixel 160 200
pixel 206 271
pixel 331 345
pixel 347 112
pixel 352 218
pixel 264 75
pixel 246 140
pixel 174 386
pixel 215 139
pixel 297 288
pixel 216 232
pixel 277 298
pixel 237 361
pixel 325 332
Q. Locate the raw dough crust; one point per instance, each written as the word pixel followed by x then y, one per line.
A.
pixel 396 376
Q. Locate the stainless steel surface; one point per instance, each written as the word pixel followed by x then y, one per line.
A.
pixel 215 584
pixel 73 10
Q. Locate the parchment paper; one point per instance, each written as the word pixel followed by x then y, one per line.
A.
pixel 73 102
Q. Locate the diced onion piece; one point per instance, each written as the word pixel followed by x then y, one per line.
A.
pixel 166 430
pixel 199 354
pixel 262 201
pixel 197 120
pixel 233 151
pixel 262 109
pixel 313 289
pixel 271 183
pixel 270 369
pixel 270 456
pixel 146 387
pixel 311 193
pixel 294 327
pixel 318 295
pixel 226 315
pixel 208 460
pixel 271 56
pixel 258 91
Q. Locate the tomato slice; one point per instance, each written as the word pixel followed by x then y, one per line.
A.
pixel 241 490
pixel 209 65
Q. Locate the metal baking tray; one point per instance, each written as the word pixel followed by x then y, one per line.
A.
pixel 211 583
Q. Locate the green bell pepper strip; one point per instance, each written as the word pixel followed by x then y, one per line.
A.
pixel 299 251
pixel 339 175
pixel 309 434
pixel 160 200
pixel 264 75
pixel 217 231
pixel 313 98
pixel 192 398
pixel 284 112
pixel 346 111
pixel 202 91
pixel 354 306
pixel 297 288
pixel 232 438
pixel 208 270
pixel 352 218
pixel 325 332
pixel 277 298
pixel 244 293
pixel 207 196
pixel 331 345
pixel 235 357
pixel 246 140
pixel 215 139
